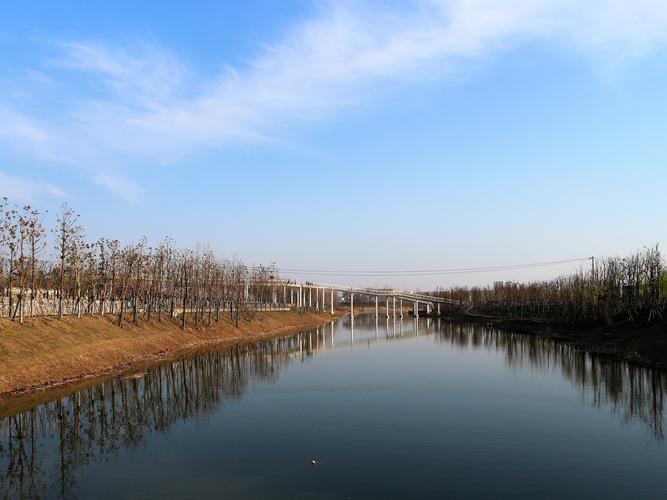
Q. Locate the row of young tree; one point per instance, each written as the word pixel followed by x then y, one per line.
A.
pixel 611 290
pixel 60 272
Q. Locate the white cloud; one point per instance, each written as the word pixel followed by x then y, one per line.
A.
pixel 147 104
pixel 124 188
pixel 18 129
pixel 24 189
pixel 145 77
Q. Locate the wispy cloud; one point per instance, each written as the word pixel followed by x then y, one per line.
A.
pixel 22 131
pixel 145 103
pixel 146 76
pixel 26 190
pixel 126 189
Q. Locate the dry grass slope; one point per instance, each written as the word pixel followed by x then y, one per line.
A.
pixel 47 352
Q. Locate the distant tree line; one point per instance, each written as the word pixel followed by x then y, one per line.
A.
pixel 60 272
pixel 611 290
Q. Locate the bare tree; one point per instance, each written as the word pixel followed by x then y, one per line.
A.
pixel 67 227
pixel 10 231
pixel 36 235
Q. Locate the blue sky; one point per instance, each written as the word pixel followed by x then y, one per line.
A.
pixel 345 135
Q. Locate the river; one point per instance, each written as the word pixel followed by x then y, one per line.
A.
pixel 385 408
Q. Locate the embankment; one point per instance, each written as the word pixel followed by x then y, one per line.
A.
pixel 46 352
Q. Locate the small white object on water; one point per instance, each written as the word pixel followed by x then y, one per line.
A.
pixel 314 462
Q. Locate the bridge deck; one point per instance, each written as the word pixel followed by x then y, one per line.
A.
pixel 380 292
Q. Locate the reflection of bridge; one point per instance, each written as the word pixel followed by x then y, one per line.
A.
pixel 301 296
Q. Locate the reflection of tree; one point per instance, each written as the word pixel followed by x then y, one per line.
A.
pixel 632 392
pixel 18 449
pixel 41 449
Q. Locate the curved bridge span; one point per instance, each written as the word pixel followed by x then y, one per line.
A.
pixel 321 296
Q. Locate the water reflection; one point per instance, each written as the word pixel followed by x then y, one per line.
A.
pixel 119 414
pixel 632 392
pixel 42 448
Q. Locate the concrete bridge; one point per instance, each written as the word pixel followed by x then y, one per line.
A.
pixel 314 296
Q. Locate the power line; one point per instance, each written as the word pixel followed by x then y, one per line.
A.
pixel 429 272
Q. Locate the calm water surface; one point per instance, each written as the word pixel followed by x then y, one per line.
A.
pixel 389 409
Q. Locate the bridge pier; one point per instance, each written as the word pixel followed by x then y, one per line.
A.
pixel 301 296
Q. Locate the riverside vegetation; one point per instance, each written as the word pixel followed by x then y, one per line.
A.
pixel 105 277
pixel 616 307
pixel 614 290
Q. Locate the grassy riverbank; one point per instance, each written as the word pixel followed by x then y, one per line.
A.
pixel 638 341
pixel 46 352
